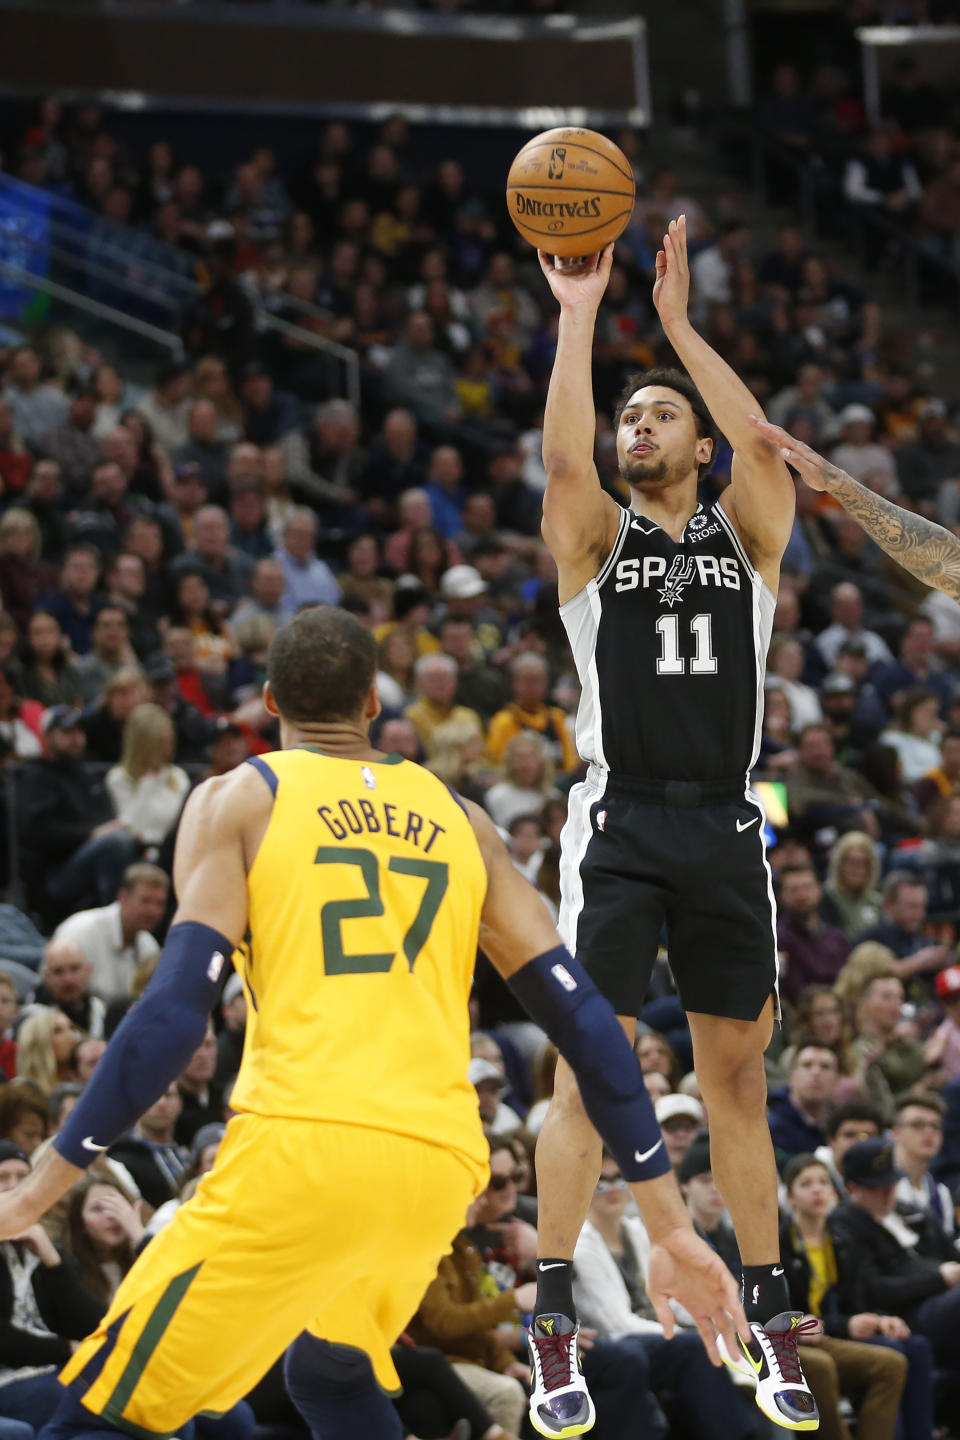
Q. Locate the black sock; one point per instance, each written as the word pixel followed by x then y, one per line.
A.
pixel 555 1288
pixel 764 1292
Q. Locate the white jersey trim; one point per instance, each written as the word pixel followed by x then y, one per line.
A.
pixel 574 839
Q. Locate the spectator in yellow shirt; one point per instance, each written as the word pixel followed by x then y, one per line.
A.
pixel 529 680
pixel 435 677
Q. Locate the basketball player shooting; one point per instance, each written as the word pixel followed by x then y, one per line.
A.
pixel 669 606
pixel 361 884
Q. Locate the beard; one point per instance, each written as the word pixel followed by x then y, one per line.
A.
pixel 649 470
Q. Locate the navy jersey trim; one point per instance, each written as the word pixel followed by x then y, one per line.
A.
pixel 262 768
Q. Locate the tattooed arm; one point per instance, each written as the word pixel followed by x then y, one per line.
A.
pixel 928 551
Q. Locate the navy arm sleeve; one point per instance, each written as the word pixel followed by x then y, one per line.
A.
pixel 152 1045
pixel 558 993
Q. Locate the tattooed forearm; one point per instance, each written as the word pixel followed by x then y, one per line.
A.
pixel 928 551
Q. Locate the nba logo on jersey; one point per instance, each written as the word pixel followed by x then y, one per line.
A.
pixel 601 820
pixel 369 779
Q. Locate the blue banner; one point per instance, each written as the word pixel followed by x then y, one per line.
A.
pixel 24 238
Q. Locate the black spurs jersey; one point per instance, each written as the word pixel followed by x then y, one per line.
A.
pixel 670 643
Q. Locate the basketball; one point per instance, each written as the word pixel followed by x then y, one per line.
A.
pixel 570 192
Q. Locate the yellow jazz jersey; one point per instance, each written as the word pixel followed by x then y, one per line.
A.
pixel 364 904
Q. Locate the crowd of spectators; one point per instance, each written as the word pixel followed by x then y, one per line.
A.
pixel 901 167
pixel 153 536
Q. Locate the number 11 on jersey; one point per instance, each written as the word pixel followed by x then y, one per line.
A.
pixel 670 661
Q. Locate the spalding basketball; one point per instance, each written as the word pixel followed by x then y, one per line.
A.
pixel 570 192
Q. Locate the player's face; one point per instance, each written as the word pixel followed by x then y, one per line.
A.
pixel 657 443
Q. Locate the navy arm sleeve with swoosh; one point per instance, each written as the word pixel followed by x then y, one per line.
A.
pixel 152 1045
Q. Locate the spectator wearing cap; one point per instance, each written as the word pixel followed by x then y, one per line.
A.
pixel 73 604
pixel 610 1265
pixel 489 1083
pixel 43 1308
pixel 929 466
pixel 74 850
pixel 814 951
pixel 167 406
pixel 204 446
pixel 823 1283
pixel 463 596
pixel 229 747
pixel 269 414
pixel 110 651
pixel 680 1117
pixel 233 1010
pixel 798 1112
pixel 188 493
pixel 705 1203
pixel 917 1141
pixel 72 443
pixel 846 616
pixel 839 699
pixel 435 679
pixel 861 456
pixel 309 580
pixel 194 729
pixel 942 1050
pixel 150 1152
pixel 528 710
pixel 895 1276
pixel 117 939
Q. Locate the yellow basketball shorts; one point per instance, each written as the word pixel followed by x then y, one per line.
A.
pixel 301 1225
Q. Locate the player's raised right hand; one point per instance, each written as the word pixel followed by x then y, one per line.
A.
pixel 574 291
pixel 683 1267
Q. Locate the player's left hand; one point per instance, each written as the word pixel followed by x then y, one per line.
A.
pixel 683 1267
pixel 671 291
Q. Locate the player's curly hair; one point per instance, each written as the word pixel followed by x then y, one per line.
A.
pixel 321 666
pixel 672 379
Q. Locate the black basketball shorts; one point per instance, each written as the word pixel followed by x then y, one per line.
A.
pixel 695 864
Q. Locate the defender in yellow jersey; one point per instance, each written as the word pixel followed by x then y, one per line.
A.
pixel 353 886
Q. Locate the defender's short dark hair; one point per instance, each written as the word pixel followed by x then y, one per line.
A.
pixel 672 379
pixel 321 665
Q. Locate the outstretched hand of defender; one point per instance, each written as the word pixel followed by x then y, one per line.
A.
pixel 573 291
pixel 671 290
pixel 812 468
pixel 683 1267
